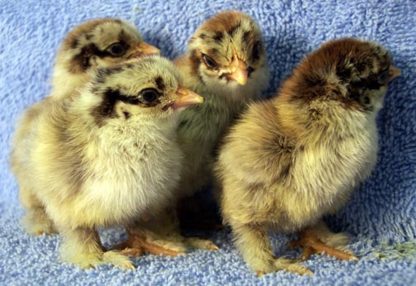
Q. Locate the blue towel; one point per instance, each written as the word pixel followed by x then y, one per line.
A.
pixel 381 216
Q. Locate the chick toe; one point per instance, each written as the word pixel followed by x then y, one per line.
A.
pixel 117 259
pixel 164 247
pixel 311 243
pixel 151 243
pixel 82 259
pixel 291 266
pixel 199 243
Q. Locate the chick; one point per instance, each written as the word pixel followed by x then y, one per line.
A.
pixel 95 43
pixel 297 157
pixel 226 64
pixel 106 156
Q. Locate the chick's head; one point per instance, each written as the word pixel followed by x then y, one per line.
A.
pixel 148 88
pixel 227 50
pixel 342 75
pixel 101 43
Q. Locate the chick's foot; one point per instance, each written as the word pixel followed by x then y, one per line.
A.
pixel 311 243
pixel 139 243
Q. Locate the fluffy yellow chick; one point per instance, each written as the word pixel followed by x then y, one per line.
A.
pixel 106 156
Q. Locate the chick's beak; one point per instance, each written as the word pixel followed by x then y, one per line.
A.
pixel 145 49
pixel 394 72
pixel 240 75
pixel 186 97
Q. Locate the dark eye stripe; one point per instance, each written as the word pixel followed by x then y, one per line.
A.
pixel 383 76
pixel 115 95
pixel 369 83
pixel 92 49
pixel 128 99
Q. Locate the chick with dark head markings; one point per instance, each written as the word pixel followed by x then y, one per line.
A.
pixel 226 64
pixel 93 44
pixel 106 156
pixel 297 157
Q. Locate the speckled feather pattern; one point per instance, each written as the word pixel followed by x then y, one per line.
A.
pixel 383 209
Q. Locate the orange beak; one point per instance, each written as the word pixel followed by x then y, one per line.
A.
pixel 240 75
pixel 394 72
pixel 186 98
pixel 145 49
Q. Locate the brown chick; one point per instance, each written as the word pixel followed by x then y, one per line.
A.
pixel 95 43
pixel 297 157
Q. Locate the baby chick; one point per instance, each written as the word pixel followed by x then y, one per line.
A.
pixel 293 159
pixel 106 156
pixel 226 64
pixel 95 43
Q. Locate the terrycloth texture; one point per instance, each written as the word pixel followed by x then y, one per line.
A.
pixel 382 212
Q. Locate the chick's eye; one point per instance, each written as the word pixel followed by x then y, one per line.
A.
pixel 209 62
pixel 383 76
pixel 365 100
pixel 116 49
pixel 255 52
pixel 149 95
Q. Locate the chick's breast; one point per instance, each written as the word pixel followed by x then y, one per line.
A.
pixel 130 182
pixel 253 165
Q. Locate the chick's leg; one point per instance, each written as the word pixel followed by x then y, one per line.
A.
pixel 82 247
pixel 158 235
pixel 161 236
pixel 337 240
pixel 320 239
pixel 35 220
pixel 255 247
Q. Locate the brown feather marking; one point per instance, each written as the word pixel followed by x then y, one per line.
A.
pixel 106 108
pixel 159 83
pixel 225 21
pixel 218 36
pixel 72 41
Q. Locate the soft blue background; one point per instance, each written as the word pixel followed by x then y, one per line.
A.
pixel 383 210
